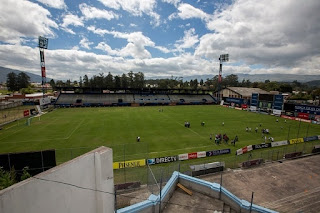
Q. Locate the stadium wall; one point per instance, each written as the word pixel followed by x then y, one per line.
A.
pixel 74 186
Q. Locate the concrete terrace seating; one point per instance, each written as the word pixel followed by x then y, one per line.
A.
pixel 122 99
pixel 151 99
pixel 191 99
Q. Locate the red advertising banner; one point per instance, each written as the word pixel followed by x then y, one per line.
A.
pixel 303 115
pixel 192 155
pixel 26 113
pixel 43 71
pixel 244 106
pixel 287 117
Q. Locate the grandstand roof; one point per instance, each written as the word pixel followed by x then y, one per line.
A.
pixel 244 91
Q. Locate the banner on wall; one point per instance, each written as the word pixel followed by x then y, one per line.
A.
pixel 183 156
pixel 129 164
pixel 218 152
pixel 279 143
pixel 26 113
pixel 201 154
pixel 261 146
pixel 296 140
pixel 192 155
pixel 311 138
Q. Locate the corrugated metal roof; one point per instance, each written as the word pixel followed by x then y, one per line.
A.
pixel 247 92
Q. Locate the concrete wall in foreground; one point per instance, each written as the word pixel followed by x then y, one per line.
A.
pixel 84 184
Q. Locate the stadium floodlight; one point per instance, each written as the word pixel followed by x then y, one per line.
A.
pixel 224 58
pixel 43 42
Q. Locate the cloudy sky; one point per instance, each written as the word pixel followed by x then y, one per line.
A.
pixel 166 38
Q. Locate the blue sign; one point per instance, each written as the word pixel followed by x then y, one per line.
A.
pixel 235 100
pixel 278 102
pixel 218 152
pixel 254 99
pixel 307 109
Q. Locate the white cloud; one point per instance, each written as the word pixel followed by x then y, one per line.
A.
pixel 85 43
pixel 58 4
pixel 135 8
pixel 189 40
pixel 174 2
pixel 24 19
pixel 187 11
pixel 133 25
pixel 70 19
pixel 95 13
pixel 272 33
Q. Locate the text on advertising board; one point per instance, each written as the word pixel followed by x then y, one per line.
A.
pixel 132 163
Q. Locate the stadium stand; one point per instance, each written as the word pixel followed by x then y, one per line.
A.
pixel 119 99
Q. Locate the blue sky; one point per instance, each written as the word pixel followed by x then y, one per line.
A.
pixel 161 38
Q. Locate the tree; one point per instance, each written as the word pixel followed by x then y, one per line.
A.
pixel 124 81
pixel 130 78
pixel 138 80
pixel 52 84
pixel 23 80
pixel 80 82
pixel 230 81
pixel 12 83
pixel 86 81
pixel 117 81
pixel 109 81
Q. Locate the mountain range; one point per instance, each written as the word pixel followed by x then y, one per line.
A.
pixel 312 80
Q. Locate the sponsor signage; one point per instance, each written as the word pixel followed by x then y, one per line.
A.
pixel 276 111
pixel 254 99
pixel 307 109
pixel 26 113
pixel 296 140
pixel 151 161
pixel 239 152
pixel 218 152
pixel 129 164
pixel 303 115
pixel 192 155
pixel 249 148
pixel 244 106
pixel 261 146
pixel 288 117
pixel 44 101
pixel 311 138
pixel 278 102
pixel 183 157
pixel 165 159
pixel 235 100
pixel 201 154
pixel 253 108
pixel 279 143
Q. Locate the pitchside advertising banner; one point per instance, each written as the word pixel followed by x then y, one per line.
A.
pixel 296 140
pixel 279 143
pixel 162 160
pixel 129 164
pixel 310 138
pixel 261 146
pixel 218 152
pixel 307 109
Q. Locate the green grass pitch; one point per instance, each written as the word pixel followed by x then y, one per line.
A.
pixel 162 133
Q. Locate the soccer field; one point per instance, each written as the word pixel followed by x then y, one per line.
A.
pixel 162 132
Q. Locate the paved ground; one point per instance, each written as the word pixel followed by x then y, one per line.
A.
pixel 291 186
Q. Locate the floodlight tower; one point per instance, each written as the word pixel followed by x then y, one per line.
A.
pixel 43 44
pixel 222 58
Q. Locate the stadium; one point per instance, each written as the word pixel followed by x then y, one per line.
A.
pixel 77 123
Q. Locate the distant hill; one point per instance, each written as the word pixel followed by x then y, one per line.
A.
pixel 259 77
pixel 33 78
pixel 315 83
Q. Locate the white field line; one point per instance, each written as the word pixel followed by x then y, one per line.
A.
pixel 29 141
